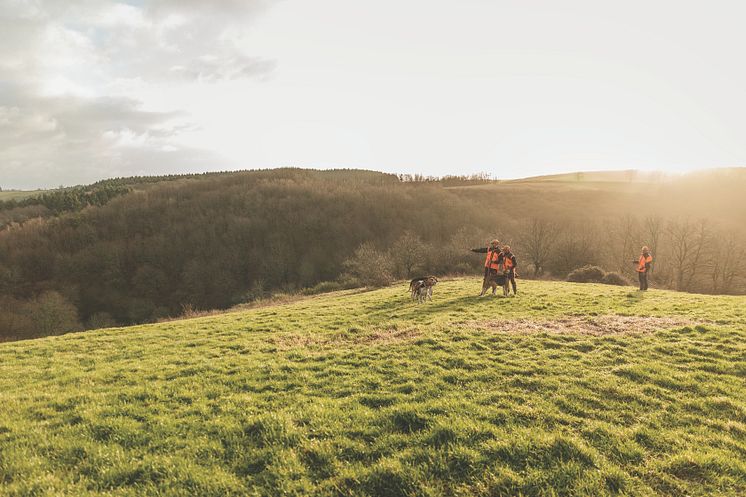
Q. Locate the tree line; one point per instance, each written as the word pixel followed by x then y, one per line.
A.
pixel 214 241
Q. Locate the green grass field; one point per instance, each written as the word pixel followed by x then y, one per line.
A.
pixel 18 194
pixel 567 389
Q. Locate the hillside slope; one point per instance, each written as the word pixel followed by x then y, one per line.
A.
pixel 136 250
pixel 17 194
pixel 566 389
pixel 716 195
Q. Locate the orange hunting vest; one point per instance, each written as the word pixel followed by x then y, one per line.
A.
pixel 493 259
pixel 507 262
pixel 643 260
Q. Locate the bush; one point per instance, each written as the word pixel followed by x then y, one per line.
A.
pixel 323 287
pixel 370 266
pixel 613 278
pixel 595 274
pixel 407 255
pixel 51 313
pixel 101 320
pixel 587 274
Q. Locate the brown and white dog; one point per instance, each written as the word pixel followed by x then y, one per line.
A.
pixel 493 279
pixel 422 288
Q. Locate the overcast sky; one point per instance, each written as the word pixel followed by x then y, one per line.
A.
pixel 91 89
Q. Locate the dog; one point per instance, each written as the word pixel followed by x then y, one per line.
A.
pixel 493 279
pixel 421 289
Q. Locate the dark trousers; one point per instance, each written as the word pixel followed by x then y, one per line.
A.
pixel 511 277
pixel 643 275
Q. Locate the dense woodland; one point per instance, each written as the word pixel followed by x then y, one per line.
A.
pixel 141 249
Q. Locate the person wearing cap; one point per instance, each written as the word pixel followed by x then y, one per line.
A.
pixel 509 266
pixel 643 266
pixel 492 262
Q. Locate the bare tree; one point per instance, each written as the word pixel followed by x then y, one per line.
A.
pixel 727 263
pixel 679 239
pixel 576 246
pixel 687 241
pixel 622 239
pixel 537 241
pixel 369 266
pixel 653 232
pixel 699 246
pixel 52 313
pixel 408 254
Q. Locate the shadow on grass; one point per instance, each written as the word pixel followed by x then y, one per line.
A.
pixel 404 307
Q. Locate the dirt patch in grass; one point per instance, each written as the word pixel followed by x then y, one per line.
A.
pixel 352 337
pixel 590 325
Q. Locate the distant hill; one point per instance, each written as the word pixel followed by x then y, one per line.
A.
pixel 716 195
pixel 18 194
pixel 133 250
pixel 567 389
pixel 626 176
pixel 636 176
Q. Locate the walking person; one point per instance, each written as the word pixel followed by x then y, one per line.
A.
pixel 643 267
pixel 509 266
pixel 492 262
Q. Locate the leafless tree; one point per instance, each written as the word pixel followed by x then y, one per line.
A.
pixel 576 246
pixel 622 239
pixel 408 253
pixel 727 263
pixel 653 232
pixel 537 241
pixel 687 240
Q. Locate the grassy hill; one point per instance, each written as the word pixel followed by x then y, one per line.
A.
pixel 566 389
pixel 715 194
pixel 19 194
pixel 135 250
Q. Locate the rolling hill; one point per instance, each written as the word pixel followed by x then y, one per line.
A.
pixel 18 194
pixel 566 389
pixel 715 195
pixel 134 250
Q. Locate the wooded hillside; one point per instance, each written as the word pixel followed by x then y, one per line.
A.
pixel 149 248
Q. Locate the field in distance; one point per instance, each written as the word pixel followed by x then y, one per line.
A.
pixel 18 194
pixel 567 389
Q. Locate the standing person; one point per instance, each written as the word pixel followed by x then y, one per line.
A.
pixel 491 263
pixel 509 266
pixel 643 266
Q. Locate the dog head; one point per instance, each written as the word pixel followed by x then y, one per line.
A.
pixel 431 280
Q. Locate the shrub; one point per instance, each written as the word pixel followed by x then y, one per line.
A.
pixel 370 266
pixel 407 255
pixel 101 320
pixel 613 278
pixel 51 313
pixel 586 274
pixel 323 287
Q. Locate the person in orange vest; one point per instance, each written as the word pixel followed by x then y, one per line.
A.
pixel 509 266
pixel 643 266
pixel 492 262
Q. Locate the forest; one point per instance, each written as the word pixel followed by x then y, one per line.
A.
pixel 138 250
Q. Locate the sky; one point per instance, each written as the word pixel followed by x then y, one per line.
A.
pixel 93 89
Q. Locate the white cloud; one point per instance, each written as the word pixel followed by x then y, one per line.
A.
pixel 73 75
